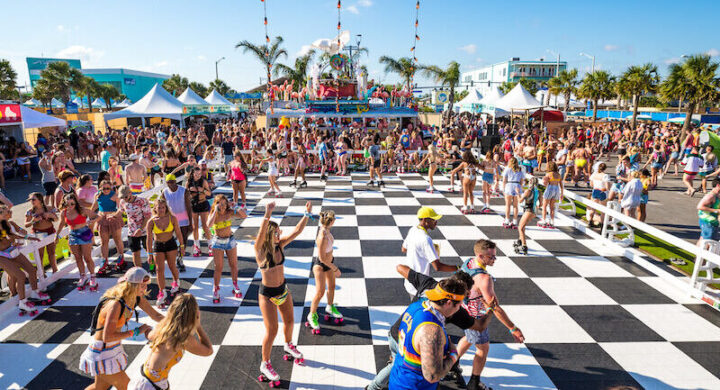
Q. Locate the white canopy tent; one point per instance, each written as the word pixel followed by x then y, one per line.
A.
pixel 216 98
pixel 123 104
pixel 488 104
pixel 518 99
pixel 33 119
pixel 78 101
pixel 33 103
pixel 98 103
pixel 156 103
pixel 466 104
pixel 57 103
pixel 189 97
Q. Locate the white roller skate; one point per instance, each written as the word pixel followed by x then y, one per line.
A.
pixel 332 311
pixel 216 294
pixel 161 300
pixel 82 282
pixel 291 353
pixel 27 308
pixel 236 290
pixel 39 298
pixel 267 373
pixel 174 288
pixel 312 323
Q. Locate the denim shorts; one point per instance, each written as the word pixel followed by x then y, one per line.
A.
pixel 82 236
pixel 223 244
pixel 708 231
pixel 488 177
pixel 475 337
pixel 599 195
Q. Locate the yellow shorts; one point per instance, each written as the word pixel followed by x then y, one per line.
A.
pixel 580 162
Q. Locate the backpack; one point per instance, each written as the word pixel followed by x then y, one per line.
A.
pixel 98 308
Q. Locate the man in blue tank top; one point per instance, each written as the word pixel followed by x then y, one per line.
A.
pixel 425 352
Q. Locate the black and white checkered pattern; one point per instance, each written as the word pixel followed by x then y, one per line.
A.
pixel 592 318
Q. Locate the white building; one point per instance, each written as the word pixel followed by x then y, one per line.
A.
pixel 511 70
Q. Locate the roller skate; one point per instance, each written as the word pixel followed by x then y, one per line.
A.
pixel 524 250
pixel 105 268
pixel 293 184
pixel 120 264
pixel 39 298
pixel 151 267
pixel 381 183
pixel 323 178
pixel 514 225
pixel 313 323
pixel 542 224
pixel 174 288
pixel 370 183
pixel 506 224
pixel 430 189
pixel 475 384
pixel 451 189
pixel 180 263
pixel 82 282
pixel 485 210
pixel 464 210
pixel 267 373
pixel 292 354
pixel 236 290
pixel 216 294
pixel 303 184
pixel 92 284
pixel 27 308
pixel 471 209
pixel 278 194
pixel 517 245
pixel 196 251
pixel 161 299
pixel 332 311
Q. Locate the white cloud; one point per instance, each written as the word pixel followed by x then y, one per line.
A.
pixel 303 50
pixel 479 60
pixel 673 60
pixel 353 9
pixel 201 58
pixel 713 52
pixel 60 28
pixel 610 47
pixel 160 64
pixel 365 3
pixel 86 54
pixel 470 49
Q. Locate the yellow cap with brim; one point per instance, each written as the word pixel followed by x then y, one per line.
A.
pixel 438 293
pixel 170 177
pixel 428 212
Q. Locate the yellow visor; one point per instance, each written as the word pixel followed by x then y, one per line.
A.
pixel 438 293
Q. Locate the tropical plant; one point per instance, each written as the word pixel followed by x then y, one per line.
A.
pixel 41 92
pixel 88 88
pixel 298 73
pixel 596 86
pixel 565 83
pixel 176 84
pixel 403 67
pixel 532 86
pixel 220 87
pixel 198 88
pixel 108 93
pixel 695 82
pixel 449 77
pixel 62 80
pixel 268 54
pixel 620 90
pixel 8 85
pixel 462 95
pixel 637 81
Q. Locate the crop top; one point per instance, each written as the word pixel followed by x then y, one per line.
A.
pixel 157 376
pixel 270 258
pixel 222 224
pixel 79 220
pixel 105 202
pixel 168 229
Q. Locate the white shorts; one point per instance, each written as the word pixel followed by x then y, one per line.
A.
pixel 552 192
pixel 141 383
pixel 107 361
pixel 513 189
pixel 273 172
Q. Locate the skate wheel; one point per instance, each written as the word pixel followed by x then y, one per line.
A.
pixel 80 288
pixel 238 295
pixel 287 357
pixel 276 383
pixel 327 317
pixel 342 320
pixel 316 331
pixel 337 321
pixel 32 313
pixel 307 324
pixel 261 378
pixel 22 313
pixel 300 362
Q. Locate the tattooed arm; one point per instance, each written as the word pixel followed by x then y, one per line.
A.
pixel 431 342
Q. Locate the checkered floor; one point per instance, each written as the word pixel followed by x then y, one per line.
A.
pixel 592 319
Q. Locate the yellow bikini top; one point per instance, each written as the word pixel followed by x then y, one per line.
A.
pixel 157 376
pixel 222 225
pixel 168 229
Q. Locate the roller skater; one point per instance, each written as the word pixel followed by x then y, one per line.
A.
pixel 27 307
pixel 313 323
pixel 223 243
pixel 272 171
pixel 292 354
pixel 469 168
pixel 375 161
pixel 530 199
pixel 331 311
pixel 432 158
pixel 163 229
pixel 267 373
pixel 110 223
pixel 513 178
pixel 489 167
pixel 80 237
pixel 325 272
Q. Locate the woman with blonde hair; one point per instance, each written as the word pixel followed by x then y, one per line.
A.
pixel 104 357
pixel 274 295
pixel 513 179
pixel 178 332
pixel 223 242
pixel 432 158
pixel 162 230
pixel 325 272
pixel 470 167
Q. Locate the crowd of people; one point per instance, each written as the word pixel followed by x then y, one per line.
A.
pixel 529 167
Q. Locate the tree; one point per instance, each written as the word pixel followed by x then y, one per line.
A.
pixel 695 82
pixel 62 80
pixel 41 92
pixel 598 85
pixel 88 87
pixel 220 87
pixel 460 95
pixel 532 86
pixel 8 85
pixel 403 67
pixel 298 73
pixel 176 84
pixel 198 88
pixel 637 81
pixel 449 77
pixel 268 54
pixel 108 93
pixel 564 83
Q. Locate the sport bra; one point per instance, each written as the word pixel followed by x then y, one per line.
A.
pixel 270 259
pixel 79 220
pixel 329 243
pixel 168 229
pixel 221 225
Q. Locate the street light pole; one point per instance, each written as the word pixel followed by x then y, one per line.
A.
pixel 592 58
pixel 216 67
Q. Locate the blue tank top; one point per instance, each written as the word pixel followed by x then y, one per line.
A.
pixel 406 373
pixel 105 203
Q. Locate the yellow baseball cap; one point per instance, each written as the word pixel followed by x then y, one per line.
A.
pixel 170 177
pixel 428 212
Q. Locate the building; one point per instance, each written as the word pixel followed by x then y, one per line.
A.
pixel 132 83
pixel 511 70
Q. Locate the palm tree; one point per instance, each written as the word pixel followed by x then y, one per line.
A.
pixel 695 81
pixel 598 85
pixel 198 88
pixel 176 84
pixel 220 87
pixel 449 77
pixel 62 80
pixel 88 88
pixel 41 92
pixel 403 66
pixel 268 54
pixel 298 73
pixel 637 81
pixel 108 93
pixel 8 86
pixel 564 83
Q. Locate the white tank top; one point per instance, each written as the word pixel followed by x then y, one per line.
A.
pixel 176 202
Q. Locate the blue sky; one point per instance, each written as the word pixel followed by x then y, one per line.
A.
pixel 187 37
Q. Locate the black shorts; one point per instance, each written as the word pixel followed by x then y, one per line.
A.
pixel 325 268
pixel 165 247
pixel 202 207
pixel 376 163
pixel 137 242
pixel 272 292
pixel 50 187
